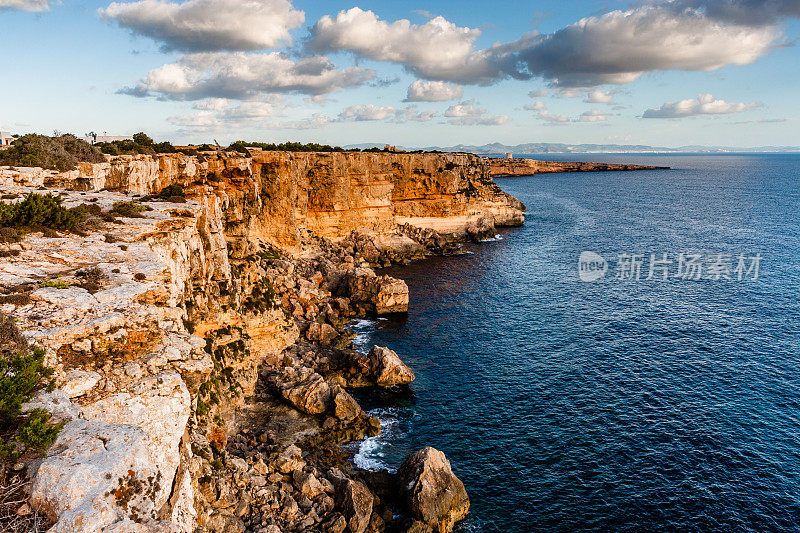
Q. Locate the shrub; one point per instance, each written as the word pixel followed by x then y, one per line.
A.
pixel 141 144
pixel 22 373
pixel 36 432
pixel 241 146
pixel 171 193
pixel 61 153
pixel 129 209
pixel 38 211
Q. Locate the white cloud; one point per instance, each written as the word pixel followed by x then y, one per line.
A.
pixel 536 106
pixel 366 112
pixel 614 48
pixel 209 25
pixel 594 115
pixel 370 112
pixel 541 93
pixel 26 5
pixel 245 76
pixel 219 114
pixel 467 114
pixel 620 46
pixel 436 50
pixel 600 97
pixel 704 104
pixel 433 91
pixel 540 108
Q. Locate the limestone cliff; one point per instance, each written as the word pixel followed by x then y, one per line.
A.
pixel 501 167
pixel 234 299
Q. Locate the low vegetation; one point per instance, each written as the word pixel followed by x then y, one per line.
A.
pixel 38 212
pixel 61 153
pixel 172 193
pixel 22 374
pixel 241 146
pixel 129 209
pixel 141 144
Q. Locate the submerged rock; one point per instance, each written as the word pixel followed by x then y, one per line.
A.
pixel 436 498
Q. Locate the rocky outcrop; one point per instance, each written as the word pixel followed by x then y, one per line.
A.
pixel 436 498
pixel 168 329
pixel 501 167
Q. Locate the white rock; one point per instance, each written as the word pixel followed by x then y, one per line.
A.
pixel 160 407
pixel 79 382
pixel 77 480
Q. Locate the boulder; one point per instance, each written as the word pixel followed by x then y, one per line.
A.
pixel 356 501
pixel 381 294
pixel 434 495
pixel 305 389
pixel 388 369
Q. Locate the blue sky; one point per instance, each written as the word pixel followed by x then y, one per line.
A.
pixel 720 72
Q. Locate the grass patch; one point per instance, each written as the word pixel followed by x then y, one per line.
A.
pixel 54 283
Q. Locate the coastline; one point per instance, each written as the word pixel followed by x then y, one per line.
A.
pixel 246 349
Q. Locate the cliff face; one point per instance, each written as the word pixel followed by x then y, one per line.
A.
pixel 194 304
pixel 276 194
pixel 501 167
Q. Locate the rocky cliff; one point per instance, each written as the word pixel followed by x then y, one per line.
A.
pixel 501 167
pixel 200 344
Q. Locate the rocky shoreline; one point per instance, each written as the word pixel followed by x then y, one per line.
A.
pixel 502 167
pixel 203 374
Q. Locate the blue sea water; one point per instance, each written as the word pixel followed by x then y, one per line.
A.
pixel 626 405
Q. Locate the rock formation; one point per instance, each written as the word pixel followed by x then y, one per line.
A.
pixel 201 348
pixel 436 498
pixel 501 167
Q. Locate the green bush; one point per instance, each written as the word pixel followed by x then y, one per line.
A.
pixel 129 209
pixel 57 153
pixel 241 146
pixel 141 144
pixel 22 374
pixel 38 211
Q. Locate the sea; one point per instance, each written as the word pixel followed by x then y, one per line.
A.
pixel 653 387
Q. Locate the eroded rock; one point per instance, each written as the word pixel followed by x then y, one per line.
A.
pixel 435 496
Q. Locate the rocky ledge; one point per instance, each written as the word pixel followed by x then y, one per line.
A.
pixel 502 167
pixel 200 344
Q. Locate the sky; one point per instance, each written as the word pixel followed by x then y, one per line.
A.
pixel 427 73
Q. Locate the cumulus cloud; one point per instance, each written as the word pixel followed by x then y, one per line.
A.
pixel 540 108
pixel 468 114
pixel 614 48
pixel 366 112
pixel 704 104
pixel 220 114
pixel 26 5
pixel 748 12
pixel 245 76
pixel 620 46
pixel 370 112
pixel 433 91
pixel 600 97
pixel 593 115
pixel 436 50
pixel 541 93
pixel 209 25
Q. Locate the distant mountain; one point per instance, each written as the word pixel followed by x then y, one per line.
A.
pixel 561 148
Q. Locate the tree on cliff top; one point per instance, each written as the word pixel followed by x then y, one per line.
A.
pixel 62 152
